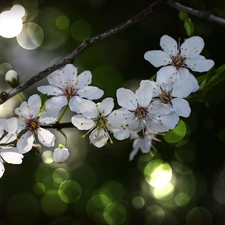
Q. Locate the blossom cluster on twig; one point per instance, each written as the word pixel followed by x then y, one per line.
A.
pixel 153 109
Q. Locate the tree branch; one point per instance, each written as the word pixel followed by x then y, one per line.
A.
pixel 201 14
pixel 4 96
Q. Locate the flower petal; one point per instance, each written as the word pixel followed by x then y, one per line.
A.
pixel 98 138
pixel 168 45
pixel 88 108
pixel 126 98
pixel 182 88
pixel 11 155
pixel 144 93
pixel 46 137
pixel 74 103
pixel 34 105
pixel 106 106
pixel 199 63
pixel 181 107
pixel 58 101
pixel 90 92
pixel 166 74
pixel 84 79
pixel 82 123
pixel 157 58
pixel 50 90
pixel 2 168
pixel 170 120
pixel 25 143
pixel 192 47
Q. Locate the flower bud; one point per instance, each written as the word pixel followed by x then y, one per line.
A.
pixel 60 154
pixel 12 78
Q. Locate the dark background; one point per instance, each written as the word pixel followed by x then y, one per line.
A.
pixel 105 175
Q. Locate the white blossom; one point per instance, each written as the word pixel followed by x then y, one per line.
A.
pixel 30 121
pixel 176 59
pixel 142 142
pixel 10 155
pixel 61 154
pixel 69 88
pixel 94 117
pixel 140 111
pixel 172 95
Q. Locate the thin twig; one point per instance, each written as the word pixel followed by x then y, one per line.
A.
pixel 84 45
pixel 201 14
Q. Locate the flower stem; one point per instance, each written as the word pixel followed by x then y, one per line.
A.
pixel 62 114
pixel 20 97
pixel 64 135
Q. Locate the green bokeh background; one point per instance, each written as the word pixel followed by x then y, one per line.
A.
pixel 101 186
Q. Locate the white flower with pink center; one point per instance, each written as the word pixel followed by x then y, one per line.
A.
pixel 142 112
pixel 30 121
pixel 69 88
pixel 176 60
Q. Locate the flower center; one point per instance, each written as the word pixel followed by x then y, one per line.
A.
pixel 141 112
pixel 165 97
pixel 101 122
pixel 178 61
pixel 33 124
pixel 69 92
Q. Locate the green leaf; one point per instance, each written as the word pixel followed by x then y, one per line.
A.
pixel 43 101
pixel 183 16
pixel 189 27
pixel 212 78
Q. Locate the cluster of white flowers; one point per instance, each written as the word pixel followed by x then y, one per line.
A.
pixel 154 108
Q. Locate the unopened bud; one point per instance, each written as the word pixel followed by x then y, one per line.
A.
pixel 61 154
pixel 12 78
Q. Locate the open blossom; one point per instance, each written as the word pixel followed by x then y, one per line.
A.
pixel 10 155
pixel 176 59
pixel 94 117
pixel 172 95
pixel 30 121
pixel 142 142
pixel 139 108
pixel 69 88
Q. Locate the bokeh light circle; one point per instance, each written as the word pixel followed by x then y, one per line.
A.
pixel 154 214
pixel 62 22
pixel 80 30
pixel 115 213
pixel 177 134
pixel 158 173
pixel 60 175
pixel 47 157
pixel 164 193
pixel 219 191
pixel 51 204
pixel 39 188
pixel 31 36
pixel 182 199
pixel 115 188
pixel 199 216
pixel 138 202
pixel 96 205
pixel 69 191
